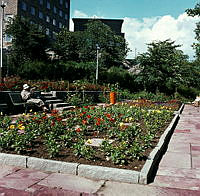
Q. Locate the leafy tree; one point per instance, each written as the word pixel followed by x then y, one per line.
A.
pixel 29 43
pixel 67 45
pixel 161 66
pixel 196 12
pixel 82 46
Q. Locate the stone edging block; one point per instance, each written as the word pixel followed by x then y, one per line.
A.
pixel 13 159
pixel 106 173
pixel 52 166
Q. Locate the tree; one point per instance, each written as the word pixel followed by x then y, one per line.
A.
pixel 67 45
pixel 29 42
pixel 82 46
pixel 196 12
pixel 161 66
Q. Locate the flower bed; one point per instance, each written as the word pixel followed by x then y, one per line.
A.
pixel 126 132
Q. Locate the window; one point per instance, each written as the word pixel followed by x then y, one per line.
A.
pixel 54 35
pixel 32 22
pixel 40 15
pixel 32 10
pixel 61 2
pixel 47 31
pixel 66 4
pixel 8 38
pixel 41 2
pixel 48 5
pixel 40 27
pixel 60 13
pixel 47 19
pixel 8 17
pixel 54 22
pixel 54 9
pixel 24 6
pixel 66 17
pixel 60 25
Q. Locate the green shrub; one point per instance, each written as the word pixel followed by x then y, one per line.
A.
pixel 189 93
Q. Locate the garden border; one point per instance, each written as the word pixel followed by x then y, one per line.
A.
pixel 98 172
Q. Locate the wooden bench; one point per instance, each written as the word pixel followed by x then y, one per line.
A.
pixel 17 103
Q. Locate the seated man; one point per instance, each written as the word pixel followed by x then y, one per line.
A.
pixel 26 94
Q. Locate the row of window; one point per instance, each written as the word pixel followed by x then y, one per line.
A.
pixel 33 11
pixel 8 38
pixel 62 2
pixel 55 23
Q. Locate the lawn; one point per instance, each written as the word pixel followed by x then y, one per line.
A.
pixel 120 135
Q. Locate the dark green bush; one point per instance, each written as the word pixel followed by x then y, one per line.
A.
pixel 189 93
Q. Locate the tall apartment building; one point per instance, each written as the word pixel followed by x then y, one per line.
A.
pixel 50 14
pixel 114 24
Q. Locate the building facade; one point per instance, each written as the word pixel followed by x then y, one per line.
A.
pixel 49 14
pixel 114 24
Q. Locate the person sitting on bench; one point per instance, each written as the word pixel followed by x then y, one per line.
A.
pixel 27 93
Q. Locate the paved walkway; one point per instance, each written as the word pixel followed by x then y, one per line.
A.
pixel 178 172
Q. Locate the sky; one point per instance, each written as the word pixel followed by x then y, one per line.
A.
pixel 145 21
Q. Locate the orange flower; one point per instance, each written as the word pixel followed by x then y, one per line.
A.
pixel 108 115
pixel 98 123
pixel 78 130
pixel 84 122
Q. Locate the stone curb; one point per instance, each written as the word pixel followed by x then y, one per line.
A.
pixel 97 172
pixel 51 165
pixel 106 173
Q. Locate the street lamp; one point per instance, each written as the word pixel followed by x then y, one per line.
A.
pixel 97 68
pixel 3 5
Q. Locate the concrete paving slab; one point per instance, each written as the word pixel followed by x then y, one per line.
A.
pixel 45 191
pixel 179 147
pixel 122 189
pixel 177 182
pixel 71 182
pixel 195 149
pixel 29 174
pixel 6 170
pixel 173 159
pixel 179 172
pixel 15 183
pixel 12 192
pixel 196 161
pixel 182 131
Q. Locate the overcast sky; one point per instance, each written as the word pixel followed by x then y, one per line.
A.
pixel 144 20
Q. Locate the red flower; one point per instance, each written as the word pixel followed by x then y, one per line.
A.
pixel 112 120
pixel 59 119
pixel 44 117
pixel 52 123
pixel 88 116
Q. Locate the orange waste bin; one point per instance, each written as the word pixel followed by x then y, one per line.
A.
pixel 112 97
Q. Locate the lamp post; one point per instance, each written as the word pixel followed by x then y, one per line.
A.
pixel 97 68
pixel 3 5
